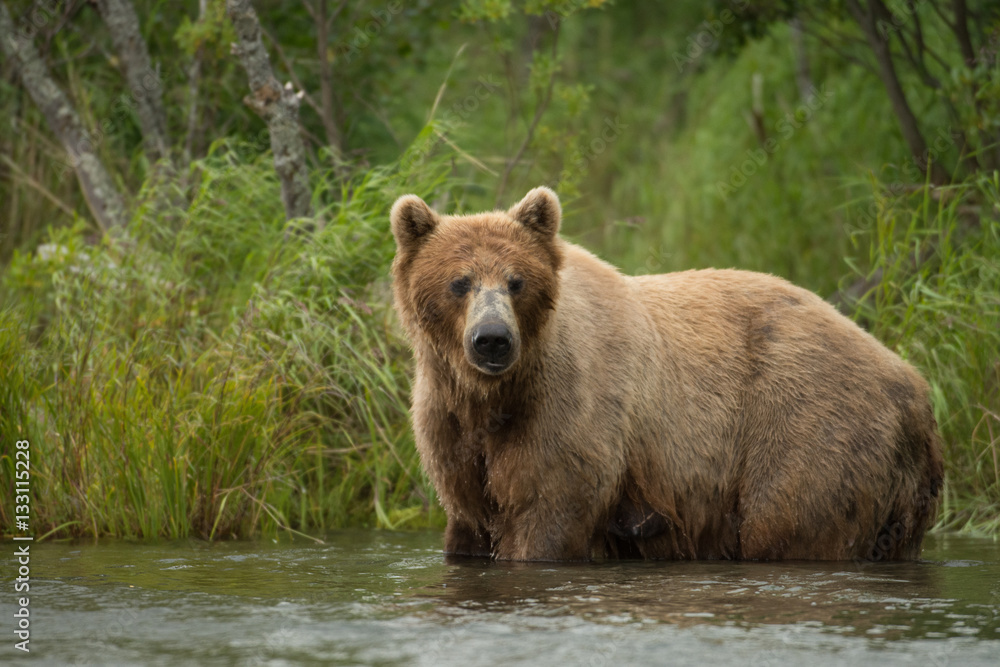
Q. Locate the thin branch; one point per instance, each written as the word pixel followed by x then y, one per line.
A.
pixel 921 48
pixel 327 114
pixel 27 179
pixel 914 55
pixel 890 80
pixel 539 111
pixel 335 14
pixel 941 15
pixel 833 47
pixel 918 33
pixel 69 13
pixel 381 116
pixel 472 160
pixel 961 30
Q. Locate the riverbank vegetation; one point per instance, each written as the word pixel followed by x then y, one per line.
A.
pixel 202 344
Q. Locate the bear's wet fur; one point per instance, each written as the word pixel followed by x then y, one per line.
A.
pixel 564 411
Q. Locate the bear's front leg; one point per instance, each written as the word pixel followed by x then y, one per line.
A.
pixel 546 531
pixel 461 538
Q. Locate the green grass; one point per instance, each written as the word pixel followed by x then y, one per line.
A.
pixel 936 301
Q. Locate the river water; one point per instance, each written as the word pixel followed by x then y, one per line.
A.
pixel 391 598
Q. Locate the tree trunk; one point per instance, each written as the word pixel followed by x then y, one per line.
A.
pixel 143 79
pixel 103 198
pixel 277 105
pixel 900 106
pixel 192 142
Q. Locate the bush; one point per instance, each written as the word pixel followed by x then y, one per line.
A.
pixel 217 373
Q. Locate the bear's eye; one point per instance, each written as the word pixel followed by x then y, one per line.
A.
pixel 515 285
pixel 461 286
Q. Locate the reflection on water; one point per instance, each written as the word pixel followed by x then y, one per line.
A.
pixel 391 598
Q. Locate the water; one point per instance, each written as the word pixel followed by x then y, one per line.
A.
pixel 379 598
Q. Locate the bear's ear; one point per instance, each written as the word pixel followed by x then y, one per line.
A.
pixel 539 211
pixel 411 219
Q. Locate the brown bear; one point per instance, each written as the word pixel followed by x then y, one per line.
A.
pixel 564 411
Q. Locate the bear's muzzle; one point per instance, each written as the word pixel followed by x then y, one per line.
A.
pixel 492 341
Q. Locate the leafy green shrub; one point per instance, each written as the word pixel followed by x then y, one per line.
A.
pixel 214 373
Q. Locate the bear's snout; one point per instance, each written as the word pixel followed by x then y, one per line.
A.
pixel 492 341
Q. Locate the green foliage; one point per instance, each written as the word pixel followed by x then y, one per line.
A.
pixel 213 31
pixel 934 259
pixel 214 373
pixel 501 10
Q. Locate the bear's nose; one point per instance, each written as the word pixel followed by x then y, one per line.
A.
pixel 493 341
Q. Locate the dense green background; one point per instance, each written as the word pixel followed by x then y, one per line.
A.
pixel 208 374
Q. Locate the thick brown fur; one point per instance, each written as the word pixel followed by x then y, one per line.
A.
pixel 702 414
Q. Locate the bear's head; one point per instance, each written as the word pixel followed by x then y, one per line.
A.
pixel 477 290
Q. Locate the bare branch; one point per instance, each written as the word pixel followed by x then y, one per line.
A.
pixel 327 114
pixel 941 15
pixel 961 30
pixel 70 11
pixel 866 19
pixel 27 179
pixel 914 55
pixel 381 116
pixel 335 14
pixel 822 39
pixel 102 197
